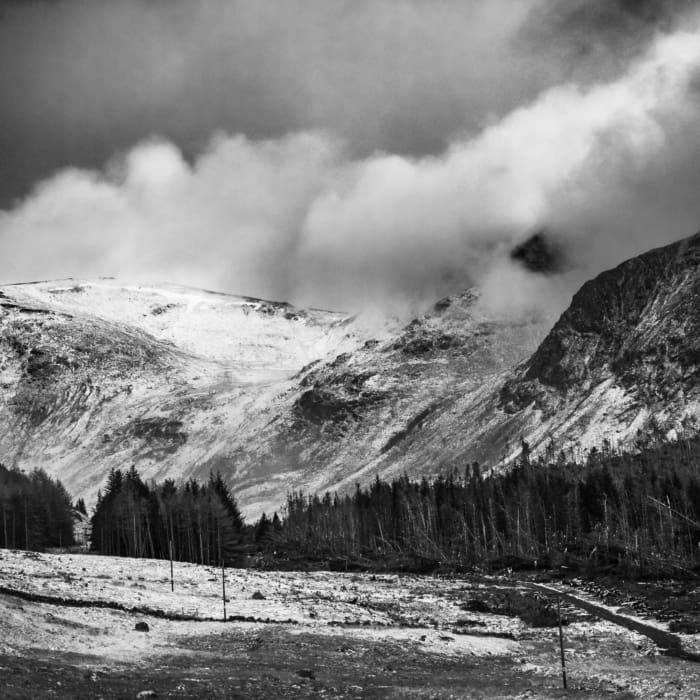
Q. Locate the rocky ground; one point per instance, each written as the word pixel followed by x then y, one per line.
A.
pixel 68 630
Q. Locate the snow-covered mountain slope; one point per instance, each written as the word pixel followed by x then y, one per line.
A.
pixel 101 374
pixel 98 374
pixel 239 332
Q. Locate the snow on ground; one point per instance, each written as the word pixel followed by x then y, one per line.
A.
pixel 302 597
pixel 419 617
pixel 407 609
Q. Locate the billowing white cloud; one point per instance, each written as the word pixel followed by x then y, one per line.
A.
pixel 300 218
pixel 227 221
pixel 409 222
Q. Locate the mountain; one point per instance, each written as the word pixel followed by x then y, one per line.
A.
pixel 621 367
pixel 395 405
pixel 100 374
pixel 455 386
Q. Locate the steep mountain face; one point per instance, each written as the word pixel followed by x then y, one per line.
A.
pixel 95 375
pixel 637 323
pixel 631 335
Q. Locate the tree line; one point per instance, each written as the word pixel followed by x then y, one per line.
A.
pixel 191 522
pixel 35 511
pixel 639 511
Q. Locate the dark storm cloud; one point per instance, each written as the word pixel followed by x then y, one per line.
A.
pixel 613 20
pixel 343 152
pixel 82 79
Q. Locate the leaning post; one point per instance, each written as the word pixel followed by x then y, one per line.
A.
pixel 561 643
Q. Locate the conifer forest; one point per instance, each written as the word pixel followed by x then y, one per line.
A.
pixel 189 522
pixel 637 513
pixel 35 511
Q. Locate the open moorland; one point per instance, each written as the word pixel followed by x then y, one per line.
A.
pixel 69 630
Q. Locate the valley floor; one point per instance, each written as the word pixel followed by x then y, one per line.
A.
pixel 67 630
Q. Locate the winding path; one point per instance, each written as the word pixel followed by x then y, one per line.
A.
pixel 670 642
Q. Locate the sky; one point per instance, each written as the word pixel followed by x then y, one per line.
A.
pixel 345 153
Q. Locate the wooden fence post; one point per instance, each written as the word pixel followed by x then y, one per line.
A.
pixel 561 642
pixel 172 578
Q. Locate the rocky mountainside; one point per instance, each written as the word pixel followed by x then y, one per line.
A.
pixel 99 374
pixel 638 324
pixel 394 405
pixel 624 355
pixel 620 366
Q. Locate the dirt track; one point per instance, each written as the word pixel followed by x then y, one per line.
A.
pixel 671 643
